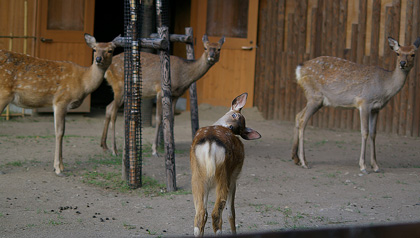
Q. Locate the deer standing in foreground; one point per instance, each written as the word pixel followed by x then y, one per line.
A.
pixel 216 158
pixel 30 82
pixel 330 81
pixel 183 74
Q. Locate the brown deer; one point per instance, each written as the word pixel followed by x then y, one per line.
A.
pixel 183 74
pixel 330 81
pixel 216 158
pixel 31 82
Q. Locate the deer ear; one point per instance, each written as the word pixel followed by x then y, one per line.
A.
pixel 90 40
pixel 118 41
pixel 250 134
pixel 239 102
pixel 222 40
pixel 205 38
pixel 417 43
pixel 393 44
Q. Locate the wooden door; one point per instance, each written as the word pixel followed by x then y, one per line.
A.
pixel 60 34
pixel 234 73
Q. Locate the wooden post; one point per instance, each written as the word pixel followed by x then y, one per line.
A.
pixel 167 114
pixel 193 87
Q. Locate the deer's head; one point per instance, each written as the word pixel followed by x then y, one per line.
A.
pixel 212 50
pixel 235 121
pixel 405 54
pixel 102 52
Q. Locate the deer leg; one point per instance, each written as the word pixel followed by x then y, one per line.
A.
pixel 295 147
pixel 108 113
pixel 307 112
pixel 219 205
pixel 59 124
pixel 158 123
pixel 118 101
pixel 200 195
pixel 373 118
pixel 231 207
pixel 364 121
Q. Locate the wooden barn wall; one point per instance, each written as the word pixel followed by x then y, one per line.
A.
pixel 291 32
pixel 17 25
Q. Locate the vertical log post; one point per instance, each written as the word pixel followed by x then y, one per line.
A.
pixel 132 104
pixel 167 114
pixel 193 87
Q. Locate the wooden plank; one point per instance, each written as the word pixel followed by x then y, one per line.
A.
pixel 361 41
pixel 268 65
pixel 279 86
pixel 374 43
pixel 290 79
pixel 416 106
pixel 409 35
pixel 405 90
pixel 313 34
pixel 283 85
pixel 397 98
pixel 260 72
pixel 272 55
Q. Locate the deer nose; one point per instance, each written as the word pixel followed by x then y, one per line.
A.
pixel 98 59
pixel 403 63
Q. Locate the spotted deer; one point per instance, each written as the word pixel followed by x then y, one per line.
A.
pixel 183 74
pixel 216 159
pixel 330 81
pixel 31 82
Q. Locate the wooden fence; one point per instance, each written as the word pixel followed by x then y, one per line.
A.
pixel 291 32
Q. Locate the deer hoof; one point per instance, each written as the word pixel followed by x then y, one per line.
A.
pixel 364 171
pixel 60 174
pixel 305 166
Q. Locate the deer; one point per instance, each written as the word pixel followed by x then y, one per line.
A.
pixel 183 74
pixel 216 159
pixel 31 82
pixel 331 81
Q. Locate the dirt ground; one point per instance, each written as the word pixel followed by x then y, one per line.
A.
pixel 272 194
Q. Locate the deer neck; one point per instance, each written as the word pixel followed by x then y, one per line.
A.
pixel 195 70
pixel 397 80
pixel 93 77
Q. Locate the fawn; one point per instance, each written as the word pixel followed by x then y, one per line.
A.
pixel 31 82
pixel 330 81
pixel 216 159
pixel 183 74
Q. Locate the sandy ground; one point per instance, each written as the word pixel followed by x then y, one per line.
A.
pixel 273 194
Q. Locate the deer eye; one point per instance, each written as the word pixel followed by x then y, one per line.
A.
pixel 231 127
pixel 413 55
pixel 234 115
pixel 398 54
pixel 94 50
pixel 109 51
